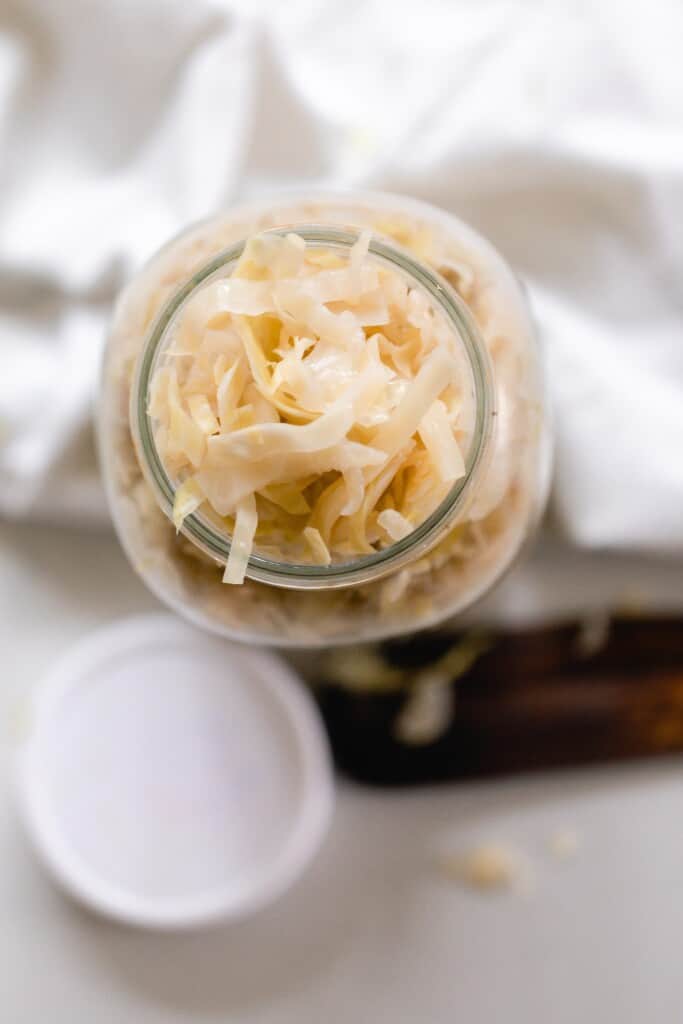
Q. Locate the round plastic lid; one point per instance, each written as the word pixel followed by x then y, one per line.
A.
pixel 170 778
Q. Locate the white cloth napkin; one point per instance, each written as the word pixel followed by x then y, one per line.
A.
pixel 554 128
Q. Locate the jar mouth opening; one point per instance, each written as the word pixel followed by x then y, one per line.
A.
pixel 205 534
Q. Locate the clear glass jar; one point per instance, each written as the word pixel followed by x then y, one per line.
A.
pixel 449 560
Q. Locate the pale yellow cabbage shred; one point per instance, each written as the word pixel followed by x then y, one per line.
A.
pixel 313 403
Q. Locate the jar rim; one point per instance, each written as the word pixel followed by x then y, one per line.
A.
pixel 216 544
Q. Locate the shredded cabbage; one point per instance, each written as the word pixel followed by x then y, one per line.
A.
pixel 314 403
pixel 396 525
pixel 289 497
pixel 188 498
pixel 184 436
pixel 354 491
pixel 319 550
pixel 437 436
pixel 246 521
pixel 203 414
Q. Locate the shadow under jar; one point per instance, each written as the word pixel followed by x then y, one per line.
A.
pixel 450 558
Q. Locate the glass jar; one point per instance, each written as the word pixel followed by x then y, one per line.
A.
pixel 448 561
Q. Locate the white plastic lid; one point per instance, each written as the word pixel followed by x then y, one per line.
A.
pixel 171 778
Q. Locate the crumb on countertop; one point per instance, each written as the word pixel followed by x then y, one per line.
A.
pixel 564 843
pixel 489 867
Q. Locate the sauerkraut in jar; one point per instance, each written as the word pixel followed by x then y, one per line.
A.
pixel 322 420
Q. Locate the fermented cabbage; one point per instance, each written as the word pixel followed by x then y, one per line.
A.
pixel 281 402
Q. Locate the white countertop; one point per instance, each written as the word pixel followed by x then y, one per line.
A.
pixel 373 932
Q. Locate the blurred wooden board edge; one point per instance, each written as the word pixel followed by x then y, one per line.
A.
pixel 571 695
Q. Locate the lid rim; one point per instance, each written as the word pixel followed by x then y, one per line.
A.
pixel 227 901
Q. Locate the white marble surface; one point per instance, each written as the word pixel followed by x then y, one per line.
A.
pixel 373 932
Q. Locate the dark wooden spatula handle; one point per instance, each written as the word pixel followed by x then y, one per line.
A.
pixel 532 700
